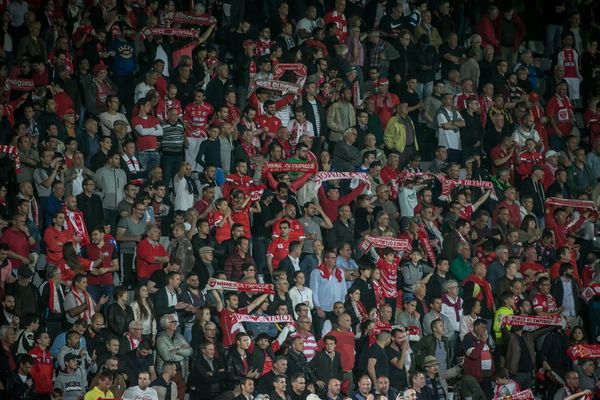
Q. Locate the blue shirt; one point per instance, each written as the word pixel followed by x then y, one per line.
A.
pixel 60 341
pixel 326 292
pixel 124 61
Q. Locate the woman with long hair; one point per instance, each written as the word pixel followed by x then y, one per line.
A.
pixel 202 318
pixel 119 314
pixel 143 311
pixel 529 231
pixel 355 308
pixel 73 264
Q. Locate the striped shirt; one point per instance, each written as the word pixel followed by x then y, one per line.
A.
pixel 172 139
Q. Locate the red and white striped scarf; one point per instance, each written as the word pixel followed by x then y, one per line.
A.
pixel 12 150
pixel 90 310
pixel 76 222
pixel 132 163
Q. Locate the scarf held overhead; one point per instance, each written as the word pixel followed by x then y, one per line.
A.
pixel 321 177
pixel 381 242
pixel 276 167
pixel 241 286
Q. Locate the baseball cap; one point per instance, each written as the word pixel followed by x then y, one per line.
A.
pixel 551 153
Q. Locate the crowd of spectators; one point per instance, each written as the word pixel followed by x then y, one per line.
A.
pixel 302 200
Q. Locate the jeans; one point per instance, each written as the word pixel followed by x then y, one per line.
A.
pixel 148 159
pixel 553 35
pixel 259 253
pixel 424 90
pixel 170 165
pixel 97 291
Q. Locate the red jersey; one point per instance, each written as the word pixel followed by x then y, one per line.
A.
pixel 234 114
pixel 341 25
pixel 389 276
pixel 164 104
pixel 467 212
pixel 242 217
pixel 236 181
pixel 196 117
pixel 526 161
pixel 485 103
pixel 385 106
pixel 108 255
pixel 224 232
pixel 229 326
pixel 591 118
pixel 460 101
pixel 55 239
pixel 497 153
pixel 544 302
pixel 538 113
pixel 272 123
pixel 296 230
pixel 263 47
pixel 278 249
pixel 569 61
pixel 561 109
pixel 42 371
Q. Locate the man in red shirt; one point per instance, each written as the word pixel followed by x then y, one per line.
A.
pixel 503 156
pixel 43 365
pixel 331 200
pixel 55 236
pixel 227 312
pixel 543 302
pixel 510 202
pixel 147 128
pixel 278 248
pixel 556 221
pixel 296 231
pixel 150 255
pixel 100 278
pixel 269 122
pixel 167 102
pixel 528 159
pixel 559 111
pixel 385 102
pixel 238 180
pixel 195 119
pixel 336 15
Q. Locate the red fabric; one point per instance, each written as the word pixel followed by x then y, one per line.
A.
pixel 485 287
pixel 497 153
pixel 18 243
pixel 224 232
pixel 227 322
pixel 538 113
pixel 385 107
pixel 330 206
pixel 68 273
pixel 196 117
pixel 591 119
pixel 526 161
pixel 487 31
pixel 326 273
pixel 513 209
pixel 561 231
pixel 236 181
pixel 345 346
pixel 164 105
pixel 340 22
pixel 389 276
pixel 42 370
pixel 145 254
pixel 561 109
pixel 55 240
pixel 296 230
pixel 147 142
pixel 279 249
pixel 544 302
pixel 93 253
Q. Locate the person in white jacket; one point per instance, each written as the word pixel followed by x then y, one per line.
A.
pixel 142 391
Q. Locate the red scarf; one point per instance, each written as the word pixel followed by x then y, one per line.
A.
pixel 54 299
pixel 361 311
pixel 79 297
pixel 384 101
pixel 134 343
pixel 326 274
pixel 74 221
pixel 485 287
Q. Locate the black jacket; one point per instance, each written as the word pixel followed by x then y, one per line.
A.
pixel 234 368
pixel 297 362
pixel 340 233
pixel 91 208
pixel 557 291
pixel 205 382
pixel 325 367
pixel 118 319
pixel 161 304
pixel 17 389
pixel 310 115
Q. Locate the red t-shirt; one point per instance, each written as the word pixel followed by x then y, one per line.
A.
pixel 279 249
pixel 224 232
pixel 147 142
pixel 296 230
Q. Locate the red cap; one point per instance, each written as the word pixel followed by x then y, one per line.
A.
pixel 69 111
pixel 383 81
pixel 534 97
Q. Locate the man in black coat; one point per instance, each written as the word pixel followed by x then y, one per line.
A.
pixel 291 263
pixel 207 374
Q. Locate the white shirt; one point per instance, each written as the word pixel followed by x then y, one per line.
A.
pixel 300 296
pixel 447 137
pixel 184 200
pixel 141 90
pixel 135 393
pixel 307 25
